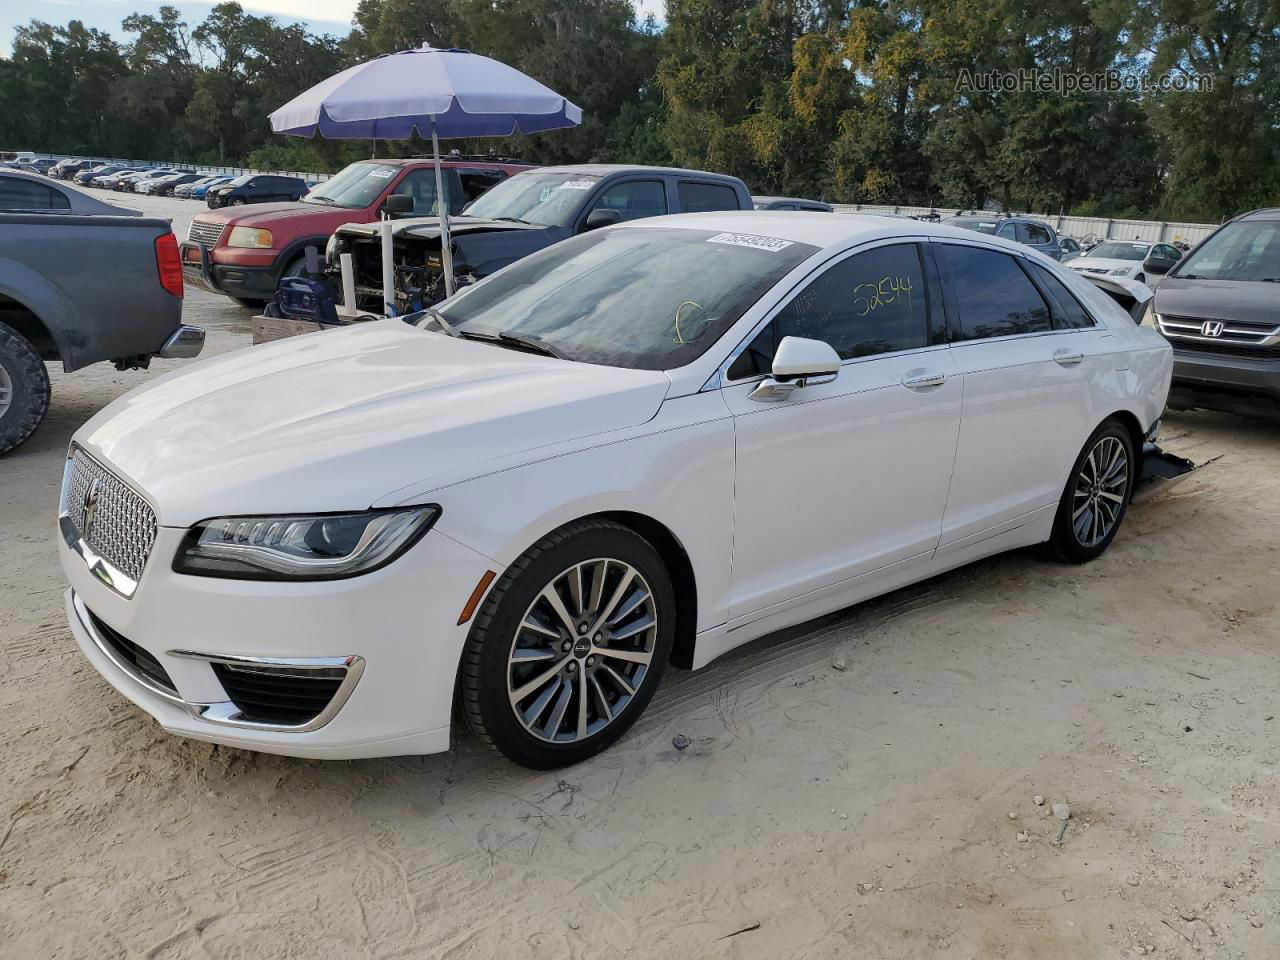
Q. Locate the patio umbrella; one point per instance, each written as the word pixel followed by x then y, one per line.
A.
pixel 437 93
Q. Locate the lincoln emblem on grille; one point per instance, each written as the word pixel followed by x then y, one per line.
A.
pixel 90 509
pixel 1212 328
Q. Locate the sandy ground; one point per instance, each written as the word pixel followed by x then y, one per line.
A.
pixel 860 788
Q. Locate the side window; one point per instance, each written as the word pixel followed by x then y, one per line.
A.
pixel 634 199
pixel 783 206
pixel 993 295
pixel 871 303
pixel 698 197
pixel 18 194
pixel 1166 251
pixel 1067 311
pixel 476 182
pixel 421 185
pixel 1036 234
pixel 1006 231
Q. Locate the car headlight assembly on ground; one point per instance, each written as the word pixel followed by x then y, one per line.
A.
pixel 323 547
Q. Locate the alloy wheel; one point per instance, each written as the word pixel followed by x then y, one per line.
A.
pixel 582 650
pixel 6 391
pixel 1098 497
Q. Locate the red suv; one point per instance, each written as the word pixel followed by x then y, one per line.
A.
pixel 244 251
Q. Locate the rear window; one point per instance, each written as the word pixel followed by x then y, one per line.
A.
pixel 698 197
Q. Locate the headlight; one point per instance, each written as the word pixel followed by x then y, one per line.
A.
pixel 315 547
pixel 1117 272
pixel 249 237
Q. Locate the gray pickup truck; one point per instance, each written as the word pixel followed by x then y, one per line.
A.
pixel 80 290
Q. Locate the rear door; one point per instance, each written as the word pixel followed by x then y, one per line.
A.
pixel 1027 393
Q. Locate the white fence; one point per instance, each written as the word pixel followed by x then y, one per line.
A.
pixel 1102 228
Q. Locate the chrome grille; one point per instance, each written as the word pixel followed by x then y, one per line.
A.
pixel 1234 332
pixel 202 231
pixel 123 530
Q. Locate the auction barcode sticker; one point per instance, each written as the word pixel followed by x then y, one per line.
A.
pixel 577 185
pixel 382 173
pixel 756 242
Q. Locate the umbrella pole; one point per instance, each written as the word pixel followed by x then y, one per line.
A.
pixel 446 245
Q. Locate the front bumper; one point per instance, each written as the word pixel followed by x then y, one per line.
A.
pixel 395 630
pixel 233 280
pixel 1234 372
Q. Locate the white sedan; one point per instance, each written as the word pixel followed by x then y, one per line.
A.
pixel 650 443
pixel 1131 259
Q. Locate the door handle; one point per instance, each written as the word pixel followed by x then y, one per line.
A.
pixel 924 380
pixel 1066 357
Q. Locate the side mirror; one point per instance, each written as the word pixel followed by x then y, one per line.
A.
pixel 602 217
pixel 798 362
pixel 397 204
pixel 1158 265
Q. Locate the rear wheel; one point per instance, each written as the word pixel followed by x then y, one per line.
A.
pixel 1097 495
pixel 24 389
pixel 569 645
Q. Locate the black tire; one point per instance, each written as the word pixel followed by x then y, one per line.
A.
pixel 1068 543
pixel 237 202
pixel 28 381
pixel 484 694
pixel 250 303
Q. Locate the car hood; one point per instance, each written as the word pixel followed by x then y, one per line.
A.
pixel 1104 263
pixel 337 420
pixel 300 218
pixel 1243 300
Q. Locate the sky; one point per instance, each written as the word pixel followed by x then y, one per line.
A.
pixel 320 16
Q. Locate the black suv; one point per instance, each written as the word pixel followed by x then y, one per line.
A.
pixel 255 188
pixel 1220 308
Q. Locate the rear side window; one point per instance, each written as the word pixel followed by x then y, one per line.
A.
pixel 698 197
pixel 871 303
pixel 1033 233
pixel 476 182
pixel 994 297
pixel 1068 314
pixel 16 194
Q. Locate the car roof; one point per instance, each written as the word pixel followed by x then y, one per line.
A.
pixel 819 229
pixel 1267 213
pixel 607 169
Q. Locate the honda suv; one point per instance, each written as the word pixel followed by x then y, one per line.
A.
pixel 1217 307
pixel 243 252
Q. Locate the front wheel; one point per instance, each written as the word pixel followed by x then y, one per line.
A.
pixel 1097 495
pixel 569 646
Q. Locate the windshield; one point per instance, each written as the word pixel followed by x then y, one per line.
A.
pixel 354 187
pixel 645 298
pixel 978 226
pixel 1119 251
pixel 1248 250
pixel 547 199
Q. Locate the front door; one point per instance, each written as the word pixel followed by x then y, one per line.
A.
pixel 844 478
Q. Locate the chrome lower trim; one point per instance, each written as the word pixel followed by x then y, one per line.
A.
pixel 108 651
pixel 225 713
pixel 100 567
pixel 184 343
pixel 228 714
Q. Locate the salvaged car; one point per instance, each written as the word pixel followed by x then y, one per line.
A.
pixel 528 212
pixel 649 443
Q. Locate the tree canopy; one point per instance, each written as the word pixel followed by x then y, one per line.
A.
pixel 886 101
